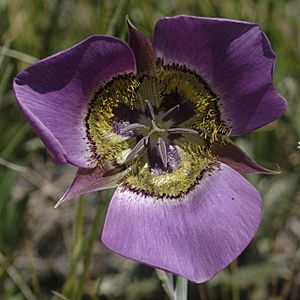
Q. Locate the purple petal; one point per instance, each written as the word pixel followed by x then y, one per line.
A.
pixel 90 180
pixel 236 60
pixel 233 156
pixel 196 237
pixel 53 94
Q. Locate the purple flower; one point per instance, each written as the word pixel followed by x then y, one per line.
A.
pixel 153 120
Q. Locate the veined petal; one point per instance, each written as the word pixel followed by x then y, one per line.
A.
pixel 235 58
pixel 54 93
pixel 233 156
pixel 91 180
pixel 195 236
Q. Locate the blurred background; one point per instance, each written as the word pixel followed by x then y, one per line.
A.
pixel 48 253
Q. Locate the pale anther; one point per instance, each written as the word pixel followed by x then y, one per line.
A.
pixel 136 149
pixel 183 130
pixel 162 149
pixel 150 109
pixel 169 113
pixel 134 126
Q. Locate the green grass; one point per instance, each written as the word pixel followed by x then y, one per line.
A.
pixel 44 250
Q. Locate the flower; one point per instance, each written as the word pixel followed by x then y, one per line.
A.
pixel 153 120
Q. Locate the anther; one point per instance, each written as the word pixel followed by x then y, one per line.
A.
pixel 134 126
pixel 150 109
pixel 162 149
pixel 169 113
pixel 136 149
pixel 183 130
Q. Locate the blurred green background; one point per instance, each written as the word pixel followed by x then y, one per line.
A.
pixel 48 253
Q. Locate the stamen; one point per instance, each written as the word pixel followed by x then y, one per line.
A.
pixel 130 127
pixel 169 113
pixel 150 109
pixel 162 149
pixel 136 149
pixel 183 130
pixel 188 136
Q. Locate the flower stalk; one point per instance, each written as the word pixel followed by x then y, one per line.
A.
pixel 180 292
pixel 83 247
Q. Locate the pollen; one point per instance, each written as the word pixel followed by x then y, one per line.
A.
pixel 196 91
pixel 106 144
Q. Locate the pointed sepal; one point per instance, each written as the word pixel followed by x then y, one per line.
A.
pixel 142 49
pixel 91 180
pixel 233 156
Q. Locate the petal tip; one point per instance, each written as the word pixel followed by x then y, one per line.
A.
pixel 59 202
pixel 142 48
pixel 275 172
pixel 65 197
pixel 129 23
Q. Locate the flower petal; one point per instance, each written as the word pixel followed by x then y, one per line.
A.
pixel 53 94
pixel 235 58
pixel 91 180
pixel 233 156
pixel 196 236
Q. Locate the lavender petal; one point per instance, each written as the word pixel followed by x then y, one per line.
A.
pixel 54 94
pixel 196 237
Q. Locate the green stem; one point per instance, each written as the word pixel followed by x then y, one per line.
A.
pixel 181 290
pixel 166 282
pixel 234 284
pixel 82 250
pixel 79 223
pixel 89 249
pixel 77 247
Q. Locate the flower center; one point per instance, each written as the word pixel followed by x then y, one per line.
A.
pixel 157 128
